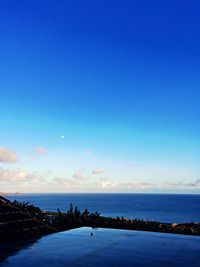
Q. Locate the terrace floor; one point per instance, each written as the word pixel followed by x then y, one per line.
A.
pixel 108 247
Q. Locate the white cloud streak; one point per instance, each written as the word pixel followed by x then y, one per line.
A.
pixel 98 171
pixel 64 181
pixel 77 181
pixel 109 184
pixel 18 176
pixel 7 155
pixel 79 176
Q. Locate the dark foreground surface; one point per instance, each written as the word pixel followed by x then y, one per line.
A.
pixel 108 247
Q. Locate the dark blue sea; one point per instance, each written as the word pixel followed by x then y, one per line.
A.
pixel 159 207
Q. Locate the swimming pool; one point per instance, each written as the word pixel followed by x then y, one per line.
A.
pixel 108 247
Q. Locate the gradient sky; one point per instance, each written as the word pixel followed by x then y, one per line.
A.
pixel 100 96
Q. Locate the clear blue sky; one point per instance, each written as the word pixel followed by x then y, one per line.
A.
pixel 120 80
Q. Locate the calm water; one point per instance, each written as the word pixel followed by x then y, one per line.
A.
pixel 159 207
pixel 108 247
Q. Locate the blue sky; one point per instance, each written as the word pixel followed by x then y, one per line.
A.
pixel 120 80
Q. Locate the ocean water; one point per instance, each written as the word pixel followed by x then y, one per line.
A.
pixel 159 207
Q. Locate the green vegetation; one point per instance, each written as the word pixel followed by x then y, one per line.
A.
pixel 74 218
pixel 25 220
pixel 20 221
pixel 34 211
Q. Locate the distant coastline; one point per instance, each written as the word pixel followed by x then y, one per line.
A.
pixel 9 193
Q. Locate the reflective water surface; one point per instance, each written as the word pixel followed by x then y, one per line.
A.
pixel 107 247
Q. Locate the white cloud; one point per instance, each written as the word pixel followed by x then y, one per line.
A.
pixel 79 176
pixel 181 185
pixel 7 155
pixel 64 181
pixel 109 184
pixel 70 182
pixel 196 183
pixel 41 150
pixel 17 176
pixel 98 171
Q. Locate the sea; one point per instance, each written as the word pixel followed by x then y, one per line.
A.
pixel 174 208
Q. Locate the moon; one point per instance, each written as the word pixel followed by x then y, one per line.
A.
pixel 62 136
